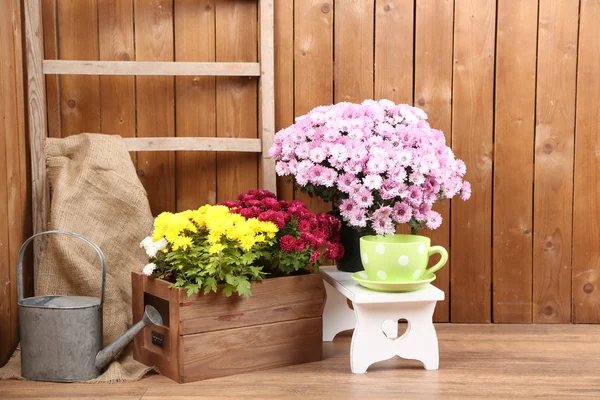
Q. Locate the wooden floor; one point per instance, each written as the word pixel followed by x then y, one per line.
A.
pixel 476 361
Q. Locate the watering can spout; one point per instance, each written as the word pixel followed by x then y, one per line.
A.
pixel 106 355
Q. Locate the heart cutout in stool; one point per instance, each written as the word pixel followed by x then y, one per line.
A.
pixel 395 329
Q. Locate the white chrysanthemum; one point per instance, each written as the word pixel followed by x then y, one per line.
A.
pixel 151 250
pixel 161 244
pixel 146 242
pixel 149 269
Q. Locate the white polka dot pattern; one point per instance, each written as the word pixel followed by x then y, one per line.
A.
pixel 403 260
pixel 417 274
pixel 365 258
pixel 363 275
pixel 382 275
pixel 380 249
pixel 421 249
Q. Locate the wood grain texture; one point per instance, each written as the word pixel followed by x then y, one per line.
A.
pixel 266 94
pixel 313 67
pixel 212 335
pixel 78 40
pixel 15 197
pixel 586 213
pixel 196 102
pixel 166 358
pixel 9 121
pixel 117 93
pixel 36 103
pixel 472 126
pixel 152 68
pixel 353 52
pixel 394 49
pixel 155 100
pixel 513 168
pixel 253 348
pixel 498 362
pixel 278 300
pixel 433 93
pixel 284 79
pixel 193 143
pixel 50 39
pixel 237 103
pixel 554 137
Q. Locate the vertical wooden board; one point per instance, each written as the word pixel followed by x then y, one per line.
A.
pixel 237 105
pixel 586 218
pixel 13 183
pixel 155 99
pixel 284 79
pixel 353 56
pixel 115 21
pixel 433 93
pixel 394 42
pixel 78 40
pixel 394 50
pixel 51 53
pixel 195 101
pixel 16 171
pixel 472 125
pixel 513 169
pixel 8 131
pixel 553 184
pixel 313 66
pixel 6 110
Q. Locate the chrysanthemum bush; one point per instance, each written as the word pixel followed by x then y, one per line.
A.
pixel 305 239
pixel 237 242
pixel 380 163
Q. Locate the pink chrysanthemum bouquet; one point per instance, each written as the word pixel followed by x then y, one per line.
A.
pixel 380 163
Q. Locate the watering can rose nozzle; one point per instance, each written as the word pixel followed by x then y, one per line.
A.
pixel 106 355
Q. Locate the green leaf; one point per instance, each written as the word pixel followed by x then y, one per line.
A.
pixel 243 288
pixel 228 289
pixel 210 283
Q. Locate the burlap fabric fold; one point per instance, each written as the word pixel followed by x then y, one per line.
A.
pixel 95 192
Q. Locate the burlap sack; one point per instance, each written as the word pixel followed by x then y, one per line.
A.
pixel 96 193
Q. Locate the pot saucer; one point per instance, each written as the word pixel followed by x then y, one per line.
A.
pixel 395 287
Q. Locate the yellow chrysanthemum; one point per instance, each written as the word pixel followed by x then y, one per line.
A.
pixel 260 238
pixel 238 231
pixel 247 242
pixel 214 237
pixel 182 242
pixel 269 227
pixel 161 223
pixel 216 248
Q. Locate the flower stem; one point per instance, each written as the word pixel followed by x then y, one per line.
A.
pixel 414 230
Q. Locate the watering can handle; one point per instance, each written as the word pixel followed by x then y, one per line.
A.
pixel 22 254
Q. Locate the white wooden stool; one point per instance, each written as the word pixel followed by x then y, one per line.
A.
pixel 375 321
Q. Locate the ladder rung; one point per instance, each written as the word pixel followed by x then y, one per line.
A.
pixel 157 68
pixel 193 144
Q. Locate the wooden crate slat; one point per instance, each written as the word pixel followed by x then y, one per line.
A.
pixel 193 144
pixel 153 68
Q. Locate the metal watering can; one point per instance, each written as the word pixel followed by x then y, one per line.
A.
pixel 61 336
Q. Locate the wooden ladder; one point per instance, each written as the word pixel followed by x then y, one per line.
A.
pixel 37 67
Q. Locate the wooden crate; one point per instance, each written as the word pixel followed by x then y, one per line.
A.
pixel 207 336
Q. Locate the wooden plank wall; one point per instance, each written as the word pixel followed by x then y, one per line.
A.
pixel 514 86
pixel 14 204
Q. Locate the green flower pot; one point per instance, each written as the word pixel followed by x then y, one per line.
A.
pixel 399 258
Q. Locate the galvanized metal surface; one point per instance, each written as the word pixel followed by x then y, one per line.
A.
pixel 61 336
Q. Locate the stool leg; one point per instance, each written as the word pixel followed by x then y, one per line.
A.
pixel 420 342
pixel 369 343
pixel 337 316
